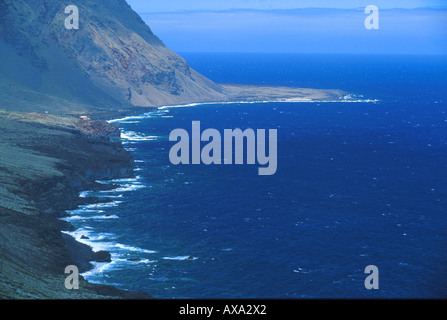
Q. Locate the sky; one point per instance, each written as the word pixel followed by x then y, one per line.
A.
pixel 405 26
pixel 180 5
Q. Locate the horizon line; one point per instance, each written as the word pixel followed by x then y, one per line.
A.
pixel 180 52
pixel 289 10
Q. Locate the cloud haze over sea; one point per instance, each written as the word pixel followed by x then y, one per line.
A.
pixel 181 5
pixel 317 30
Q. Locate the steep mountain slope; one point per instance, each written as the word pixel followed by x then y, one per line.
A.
pixel 112 61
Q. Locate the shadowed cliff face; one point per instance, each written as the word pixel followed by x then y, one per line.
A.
pixel 113 59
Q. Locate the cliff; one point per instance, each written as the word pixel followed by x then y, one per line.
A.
pixel 113 61
pixel 40 177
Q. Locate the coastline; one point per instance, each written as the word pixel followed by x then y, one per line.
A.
pixel 137 116
pixel 42 174
pixel 97 241
pixel 62 194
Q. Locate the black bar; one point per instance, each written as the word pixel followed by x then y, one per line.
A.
pixel 223 309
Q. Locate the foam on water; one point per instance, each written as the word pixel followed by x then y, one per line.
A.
pixel 180 258
pixel 120 252
pixel 131 118
pixel 290 100
pixel 101 205
pixel 124 185
pixel 133 249
pixel 136 136
pixel 101 217
pixel 84 194
pixel 136 119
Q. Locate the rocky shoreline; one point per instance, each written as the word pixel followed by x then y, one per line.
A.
pixel 49 160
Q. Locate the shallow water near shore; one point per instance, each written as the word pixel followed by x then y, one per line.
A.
pixel 357 184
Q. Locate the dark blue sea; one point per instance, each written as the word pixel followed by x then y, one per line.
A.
pixel 357 184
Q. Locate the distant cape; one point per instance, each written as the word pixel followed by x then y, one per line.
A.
pixel 111 64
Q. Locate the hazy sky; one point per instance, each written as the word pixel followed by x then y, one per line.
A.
pixel 178 5
pixel 287 26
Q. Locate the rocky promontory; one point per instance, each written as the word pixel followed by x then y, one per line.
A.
pixel 46 160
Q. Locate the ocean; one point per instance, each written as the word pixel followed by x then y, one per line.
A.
pixel 357 184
